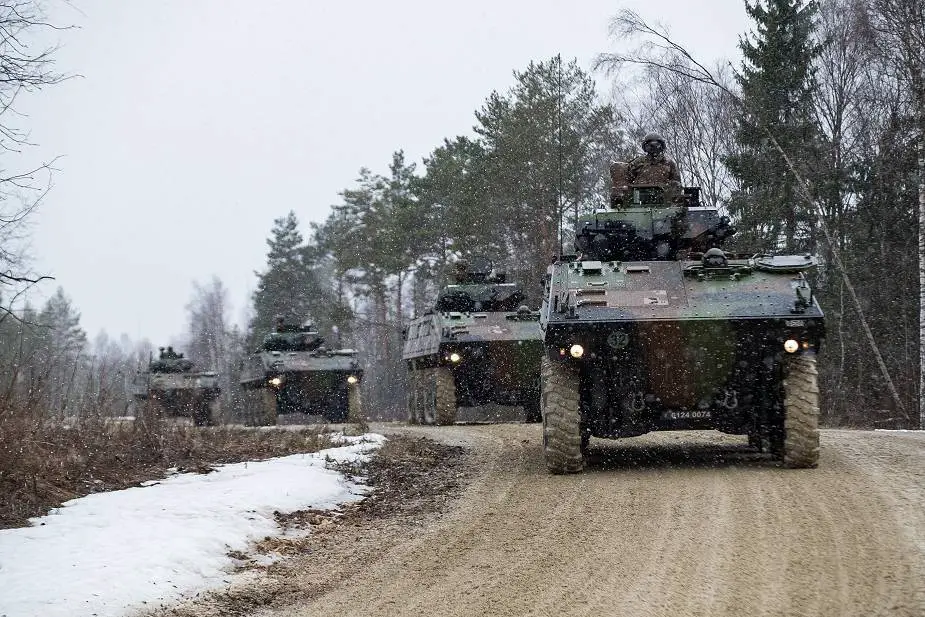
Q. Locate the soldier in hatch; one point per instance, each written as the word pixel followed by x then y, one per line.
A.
pixel 461 271
pixel 653 168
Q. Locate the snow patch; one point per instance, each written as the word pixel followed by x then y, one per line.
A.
pixel 898 430
pixel 110 553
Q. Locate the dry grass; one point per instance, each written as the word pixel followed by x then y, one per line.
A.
pixel 411 479
pixel 45 463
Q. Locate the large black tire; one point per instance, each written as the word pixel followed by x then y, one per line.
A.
pixel 428 399
pixel 801 412
pixel 215 412
pixel 446 396
pixel 260 407
pixel 354 404
pixel 532 411
pixel 414 396
pixel 149 414
pixel 561 406
pixel 202 413
pixel 269 407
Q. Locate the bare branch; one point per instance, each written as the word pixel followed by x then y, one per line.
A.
pixel 659 51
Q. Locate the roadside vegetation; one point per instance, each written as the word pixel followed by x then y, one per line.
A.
pixel 45 462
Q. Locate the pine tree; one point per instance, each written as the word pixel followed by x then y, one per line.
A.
pixel 456 211
pixel 777 87
pixel 290 286
pixel 548 144
pixel 60 343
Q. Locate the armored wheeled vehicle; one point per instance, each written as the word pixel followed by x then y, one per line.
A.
pixel 477 345
pixel 293 372
pixel 652 326
pixel 169 387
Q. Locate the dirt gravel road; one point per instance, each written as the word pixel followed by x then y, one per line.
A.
pixel 669 524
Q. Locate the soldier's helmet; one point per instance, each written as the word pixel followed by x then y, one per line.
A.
pixel 715 258
pixel 653 143
pixel 461 270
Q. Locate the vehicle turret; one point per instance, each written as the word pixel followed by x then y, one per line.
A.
pixel 650 223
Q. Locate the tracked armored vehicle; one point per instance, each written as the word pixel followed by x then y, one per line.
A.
pixel 478 345
pixel 293 372
pixel 170 388
pixel 652 326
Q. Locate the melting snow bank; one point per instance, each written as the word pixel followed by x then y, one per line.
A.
pixel 898 430
pixel 109 553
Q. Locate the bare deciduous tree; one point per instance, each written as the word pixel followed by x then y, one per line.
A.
pixel 695 118
pixel 658 51
pixel 900 27
pixel 25 66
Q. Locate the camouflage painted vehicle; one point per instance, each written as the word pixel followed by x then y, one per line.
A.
pixel 170 388
pixel 293 372
pixel 652 327
pixel 478 345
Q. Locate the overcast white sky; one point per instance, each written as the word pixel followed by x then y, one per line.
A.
pixel 197 122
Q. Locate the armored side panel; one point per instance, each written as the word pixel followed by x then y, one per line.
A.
pixel 475 348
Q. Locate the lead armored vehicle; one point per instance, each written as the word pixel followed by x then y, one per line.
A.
pixel 652 326
pixel 169 387
pixel 477 345
pixel 293 372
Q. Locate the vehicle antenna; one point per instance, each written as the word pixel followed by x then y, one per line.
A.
pixel 559 204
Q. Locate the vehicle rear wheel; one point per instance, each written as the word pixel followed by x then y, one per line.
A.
pixel 801 412
pixel 446 396
pixel 560 402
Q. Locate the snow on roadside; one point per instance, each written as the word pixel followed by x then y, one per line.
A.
pixel 898 430
pixel 110 553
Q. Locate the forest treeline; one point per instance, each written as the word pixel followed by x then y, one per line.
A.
pixel 818 129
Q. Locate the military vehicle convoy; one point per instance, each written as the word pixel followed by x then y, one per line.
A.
pixel 170 388
pixel 652 326
pixel 293 372
pixel 477 345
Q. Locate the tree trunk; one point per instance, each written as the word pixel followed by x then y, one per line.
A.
pixel 921 153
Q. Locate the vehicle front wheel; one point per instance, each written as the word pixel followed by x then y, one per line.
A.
pixel 560 404
pixel 801 412
pixel 446 396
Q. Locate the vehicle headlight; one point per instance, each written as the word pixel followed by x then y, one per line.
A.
pixel 352 379
pixel 455 357
pixel 276 381
pixel 576 351
pixel 791 346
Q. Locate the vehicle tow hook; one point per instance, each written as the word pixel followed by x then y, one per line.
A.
pixel 638 402
pixel 731 400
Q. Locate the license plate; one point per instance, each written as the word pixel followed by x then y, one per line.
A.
pixel 697 414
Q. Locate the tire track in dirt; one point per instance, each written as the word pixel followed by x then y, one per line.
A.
pixel 667 524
